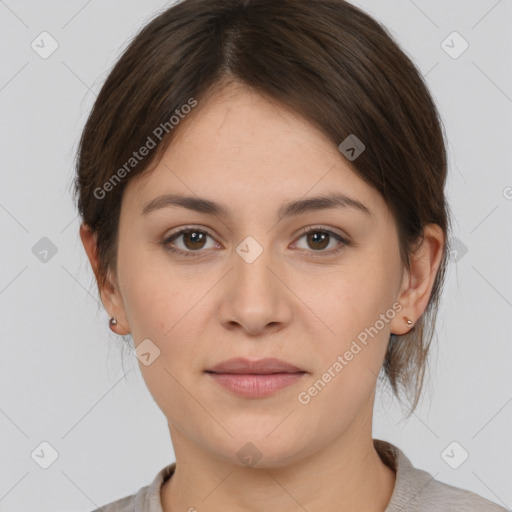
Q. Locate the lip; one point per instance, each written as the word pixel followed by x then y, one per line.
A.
pixel 255 379
pixel 265 366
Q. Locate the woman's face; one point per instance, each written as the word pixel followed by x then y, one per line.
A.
pixel 247 283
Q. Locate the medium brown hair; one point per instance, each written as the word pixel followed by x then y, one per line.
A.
pixel 326 60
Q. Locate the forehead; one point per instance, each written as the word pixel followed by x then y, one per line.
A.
pixel 238 121
pixel 248 151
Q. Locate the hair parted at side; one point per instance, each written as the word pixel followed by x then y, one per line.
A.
pixel 327 60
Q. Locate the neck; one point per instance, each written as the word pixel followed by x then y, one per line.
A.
pixel 348 475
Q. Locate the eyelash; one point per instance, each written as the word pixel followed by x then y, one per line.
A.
pixel 304 232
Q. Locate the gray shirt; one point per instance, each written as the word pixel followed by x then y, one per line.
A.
pixel 415 490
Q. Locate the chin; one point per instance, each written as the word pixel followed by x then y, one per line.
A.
pixel 257 449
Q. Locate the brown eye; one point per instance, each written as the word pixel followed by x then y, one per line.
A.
pixel 318 240
pixel 193 240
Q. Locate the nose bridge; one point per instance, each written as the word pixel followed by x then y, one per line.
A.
pixel 256 297
pixel 252 261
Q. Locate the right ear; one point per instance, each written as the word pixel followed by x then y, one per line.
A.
pixel 110 296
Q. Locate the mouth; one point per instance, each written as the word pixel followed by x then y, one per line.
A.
pixel 265 366
pixel 255 379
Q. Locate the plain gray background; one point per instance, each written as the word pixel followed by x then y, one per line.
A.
pixel 62 379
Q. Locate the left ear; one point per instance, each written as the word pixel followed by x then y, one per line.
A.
pixel 417 284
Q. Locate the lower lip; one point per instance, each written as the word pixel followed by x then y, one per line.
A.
pixel 256 385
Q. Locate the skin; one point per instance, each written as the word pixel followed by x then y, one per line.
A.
pixel 294 302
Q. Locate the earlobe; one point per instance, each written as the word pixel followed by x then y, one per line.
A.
pixel 409 325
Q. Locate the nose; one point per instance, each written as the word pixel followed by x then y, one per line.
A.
pixel 255 297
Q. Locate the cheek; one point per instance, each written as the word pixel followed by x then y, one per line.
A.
pixel 352 301
pixel 172 314
pixel 358 310
pixel 153 297
pixel 144 306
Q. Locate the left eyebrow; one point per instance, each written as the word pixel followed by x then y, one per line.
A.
pixel 290 209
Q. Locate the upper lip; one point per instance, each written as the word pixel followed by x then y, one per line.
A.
pixel 261 366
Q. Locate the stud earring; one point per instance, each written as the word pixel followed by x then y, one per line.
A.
pixel 409 322
pixel 113 321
